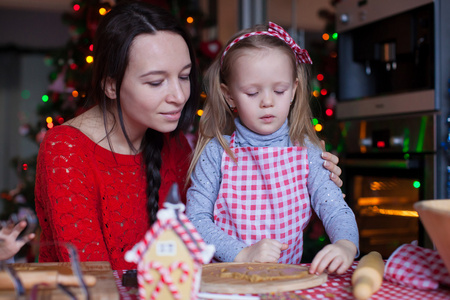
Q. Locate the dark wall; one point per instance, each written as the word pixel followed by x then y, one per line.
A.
pixel 32 29
pixel 25 38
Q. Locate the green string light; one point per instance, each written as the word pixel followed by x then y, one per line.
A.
pixel 25 94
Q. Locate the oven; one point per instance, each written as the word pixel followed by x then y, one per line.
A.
pixel 388 166
pixel 393 114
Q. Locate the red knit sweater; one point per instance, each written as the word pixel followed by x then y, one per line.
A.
pixel 95 200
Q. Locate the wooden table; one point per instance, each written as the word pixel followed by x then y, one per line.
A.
pixel 104 288
pixel 337 287
pixel 109 286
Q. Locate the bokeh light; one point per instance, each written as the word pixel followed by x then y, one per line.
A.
pixel 318 127
pixel 102 11
pixel 25 94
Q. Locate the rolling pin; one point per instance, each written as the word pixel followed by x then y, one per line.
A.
pixel 50 278
pixel 368 276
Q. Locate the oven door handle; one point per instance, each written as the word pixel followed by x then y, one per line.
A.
pixel 380 163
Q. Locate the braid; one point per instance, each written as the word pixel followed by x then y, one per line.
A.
pixel 152 144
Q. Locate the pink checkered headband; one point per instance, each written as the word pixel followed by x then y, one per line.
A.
pixel 276 31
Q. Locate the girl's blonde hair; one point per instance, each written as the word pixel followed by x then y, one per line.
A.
pixel 218 119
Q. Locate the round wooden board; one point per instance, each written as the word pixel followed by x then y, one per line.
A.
pixel 212 282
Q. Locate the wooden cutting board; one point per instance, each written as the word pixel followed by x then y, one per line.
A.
pixel 221 278
pixel 104 288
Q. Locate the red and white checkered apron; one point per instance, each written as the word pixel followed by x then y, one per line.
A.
pixel 264 196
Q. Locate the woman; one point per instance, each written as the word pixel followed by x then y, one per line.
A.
pixel 102 176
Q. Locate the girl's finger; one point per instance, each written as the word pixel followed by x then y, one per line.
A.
pixel 335 264
pixel 343 268
pixel 317 260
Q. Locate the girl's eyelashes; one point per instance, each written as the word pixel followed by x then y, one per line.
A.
pixel 254 94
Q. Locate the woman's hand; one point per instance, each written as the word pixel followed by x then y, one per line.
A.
pixel 337 257
pixel 266 250
pixel 330 164
pixel 9 244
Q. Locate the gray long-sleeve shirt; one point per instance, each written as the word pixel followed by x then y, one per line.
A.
pixel 326 198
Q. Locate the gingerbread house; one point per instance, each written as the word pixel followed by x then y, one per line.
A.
pixel 170 257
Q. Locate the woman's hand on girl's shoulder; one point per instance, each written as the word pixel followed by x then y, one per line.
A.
pixel 331 164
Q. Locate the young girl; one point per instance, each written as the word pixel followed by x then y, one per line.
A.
pixel 257 168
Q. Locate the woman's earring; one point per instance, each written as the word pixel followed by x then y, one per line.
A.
pixel 233 109
pixel 292 101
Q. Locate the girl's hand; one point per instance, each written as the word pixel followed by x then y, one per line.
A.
pixel 337 257
pixel 330 164
pixel 9 245
pixel 266 250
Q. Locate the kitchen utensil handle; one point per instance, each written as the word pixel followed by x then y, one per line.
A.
pixel 49 278
pixel 71 280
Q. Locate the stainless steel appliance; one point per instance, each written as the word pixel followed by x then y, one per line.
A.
pixel 388 166
pixel 394 67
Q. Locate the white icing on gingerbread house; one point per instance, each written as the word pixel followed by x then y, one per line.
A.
pixel 170 257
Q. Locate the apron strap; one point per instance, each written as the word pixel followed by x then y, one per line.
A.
pixel 233 136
